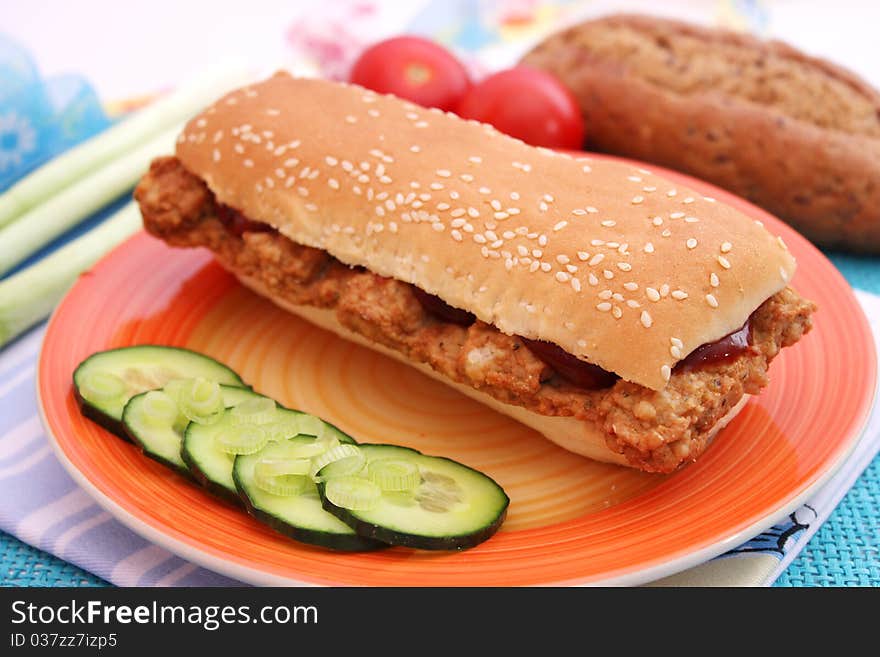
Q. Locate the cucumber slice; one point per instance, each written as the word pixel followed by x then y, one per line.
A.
pixel 140 368
pixel 452 508
pixel 298 516
pixel 162 440
pixel 210 465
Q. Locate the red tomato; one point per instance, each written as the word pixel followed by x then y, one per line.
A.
pixel 528 104
pixel 415 69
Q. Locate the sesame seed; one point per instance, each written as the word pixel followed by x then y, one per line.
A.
pixel 496 204
pixel 689 199
pixel 543 207
pixel 576 285
pixel 546 266
pixel 238 148
pixel 583 255
pixel 560 225
pixel 783 274
pixel 596 259
pixel 631 286
pixel 302 191
pixel 634 178
pixel 248 163
pixel 608 223
pixel 592 279
pixel 380 211
pixel 467 177
pixel 436 186
pixel 607 273
pixel 443 206
pixel 708 199
pixel 438 227
pixel 617 312
pixel 724 262
pixel 781 242
pixel 571 268
pixel 649 189
pixel 691 220
pixel 713 280
pixel 537 253
pixel 652 294
pixel 443 173
pixel 311 207
pixel 671 193
pixel 479 239
pixel 216 155
pixel 637 199
pixel 624 266
pixel 586 168
pixel 457 212
pixel 603 307
pixel 577 211
pixel 473 212
pixel 649 248
pixel 605 294
pixel 691 243
pixel 726 247
pixel 484 190
pixel 421 124
pixel 665 372
pixel 501 215
pixel 657 221
pixel 350 119
pixel 675 351
pixel 632 303
pixel 373 112
pixel 666 233
pixel 711 300
pixel 676 215
pixel 679 295
pixel 534 266
pixel 475 159
pixel 453 195
pixel 591 209
pixel 457 236
pixel 563 277
pixel 582 343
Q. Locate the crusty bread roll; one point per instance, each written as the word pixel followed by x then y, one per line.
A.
pixel 612 263
pixel 797 135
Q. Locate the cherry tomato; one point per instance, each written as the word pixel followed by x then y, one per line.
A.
pixel 413 68
pixel 528 104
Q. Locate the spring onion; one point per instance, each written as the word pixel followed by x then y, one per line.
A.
pixel 159 409
pixel 31 294
pixel 125 136
pixel 338 461
pixel 394 474
pixel 242 439
pixel 56 215
pixel 355 493
pixel 103 387
pixel 201 401
pixel 259 410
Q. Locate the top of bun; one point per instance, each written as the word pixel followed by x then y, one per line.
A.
pixel 614 264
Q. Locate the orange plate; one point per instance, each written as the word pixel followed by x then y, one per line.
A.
pixel 571 521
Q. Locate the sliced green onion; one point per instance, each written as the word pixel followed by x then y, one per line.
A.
pixel 283 485
pixel 394 474
pixel 159 409
pixel 273 466
pixel 341 461
pixel 54 216
pixel 311 425
pixel 202 401
pixel 103 387
pixel 242 439
pixel 281 429
pixel 259 410
pixel 123 137
pixel 30 295
pixel 308 447
pixel 175 388
pixel 355 493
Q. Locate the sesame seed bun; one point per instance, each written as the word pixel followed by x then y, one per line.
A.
pixel 615 264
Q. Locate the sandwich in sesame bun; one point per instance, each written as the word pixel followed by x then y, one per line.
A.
pixel 621 315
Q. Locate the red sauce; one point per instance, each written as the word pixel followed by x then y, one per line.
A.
pixel 237 224
pixel 442 310
pixel 571 368
pixel 724 350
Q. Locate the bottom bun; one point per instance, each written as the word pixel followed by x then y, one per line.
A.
pixel 578 436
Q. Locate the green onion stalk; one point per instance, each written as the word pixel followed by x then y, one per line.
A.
pixel 30 295
pixel 127 135
pixel 58 214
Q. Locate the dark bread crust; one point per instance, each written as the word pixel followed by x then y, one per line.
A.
pixel 796 135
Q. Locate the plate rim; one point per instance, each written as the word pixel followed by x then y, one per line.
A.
pixel 651 571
